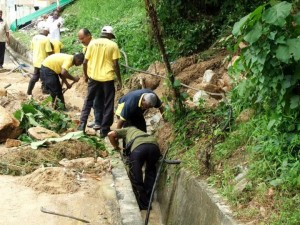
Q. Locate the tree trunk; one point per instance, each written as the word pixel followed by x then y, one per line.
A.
pixel 155 27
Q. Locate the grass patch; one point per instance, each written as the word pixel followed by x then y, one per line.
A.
pixel 128 19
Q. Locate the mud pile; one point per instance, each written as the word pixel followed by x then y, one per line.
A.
pixel 53 180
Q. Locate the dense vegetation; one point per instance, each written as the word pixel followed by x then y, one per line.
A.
pixel 190 26
pixel 266 148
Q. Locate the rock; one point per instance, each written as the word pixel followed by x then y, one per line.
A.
pixel 245 115
pixel 41 133
pixel 3 92
pixel 80 163
pixel 12 143
pixel 154 119
pixel 9 126
pixel 200 95
pixel 242 174
pixel 208 76
pixel 241 185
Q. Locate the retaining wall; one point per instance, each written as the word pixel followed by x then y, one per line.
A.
pixel 186 201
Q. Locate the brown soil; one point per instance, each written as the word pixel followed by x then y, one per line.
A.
pixel 55 180
pixel 25 160
pixel 60 189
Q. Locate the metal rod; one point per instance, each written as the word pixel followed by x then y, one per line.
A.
pixel 6 86
pixel 63 215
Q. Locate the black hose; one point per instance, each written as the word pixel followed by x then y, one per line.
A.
pixel 154 186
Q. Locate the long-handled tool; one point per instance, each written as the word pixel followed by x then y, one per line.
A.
pixel 63 91
pixel 63 215
pixel 164 160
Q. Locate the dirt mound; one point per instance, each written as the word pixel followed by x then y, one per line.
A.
pixel 24 161
pixel 72 149
pixel 189 71
pixel 164 136
pixel 53 180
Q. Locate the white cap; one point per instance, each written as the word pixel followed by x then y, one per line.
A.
pixel 107 30
pixel 43 28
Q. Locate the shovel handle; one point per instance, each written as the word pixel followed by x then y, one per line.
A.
pixel 63 215
pixel 6 86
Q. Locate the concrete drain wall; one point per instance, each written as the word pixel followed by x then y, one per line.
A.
pixel 186 201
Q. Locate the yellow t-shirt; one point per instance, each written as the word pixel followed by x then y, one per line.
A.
pixel 100 54
pixel 59 61
pixel 57 46
pixel 40 46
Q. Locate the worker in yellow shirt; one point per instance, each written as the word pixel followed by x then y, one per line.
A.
pixel 56 45
pixel 85 37
pixel 41 48
pixel 56 66
pixel 101 65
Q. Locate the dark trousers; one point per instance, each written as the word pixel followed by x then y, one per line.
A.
pixel 149 154
pixel 104 93
pixel 53 85
pixel 98 112
pixel 2 53
pixel 35 78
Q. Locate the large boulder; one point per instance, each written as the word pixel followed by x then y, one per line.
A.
pixel 41 133
pixel 9 126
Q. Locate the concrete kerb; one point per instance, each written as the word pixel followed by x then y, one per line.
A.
pixel 129 209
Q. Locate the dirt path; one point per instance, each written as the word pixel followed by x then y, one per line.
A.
pixel 95 200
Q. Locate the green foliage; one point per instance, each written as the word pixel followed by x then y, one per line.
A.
pixel 271 61
pixel 191 26
pixel 33 114
pixel 267 79
pixel 190 128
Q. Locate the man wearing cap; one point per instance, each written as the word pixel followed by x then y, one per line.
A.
pixel 4 37
pixel 100 66
pixel 131 108
pixel 41 48
pixel 55 66
pixel 144 150
pixel 85 37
